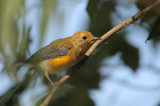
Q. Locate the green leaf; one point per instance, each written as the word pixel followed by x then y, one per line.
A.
pixel 8 95
pixel 130 55
pixel 155 31
pixel 92 8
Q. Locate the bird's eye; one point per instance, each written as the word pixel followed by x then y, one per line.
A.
pixel 84 37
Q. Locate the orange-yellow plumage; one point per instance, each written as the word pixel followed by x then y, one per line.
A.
pixel 61 62
pixel 63 53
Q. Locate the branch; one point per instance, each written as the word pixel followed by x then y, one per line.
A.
pixel 55 88
pixel 96 44
pixel 122 25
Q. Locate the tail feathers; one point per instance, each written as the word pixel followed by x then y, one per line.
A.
pixel 18 65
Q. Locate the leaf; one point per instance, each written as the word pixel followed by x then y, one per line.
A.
pixel 8 95
pixel 141 4
pixel 130 56
pixel 48 9
pixel 102 22
pixel 155 31
pixel 129 53
pixel 92 8
pixel 9 30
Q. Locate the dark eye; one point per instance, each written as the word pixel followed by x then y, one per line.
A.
pixel 84 37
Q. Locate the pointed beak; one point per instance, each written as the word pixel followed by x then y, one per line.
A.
pixel 95 39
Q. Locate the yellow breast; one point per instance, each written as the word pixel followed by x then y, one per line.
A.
pixel 57 65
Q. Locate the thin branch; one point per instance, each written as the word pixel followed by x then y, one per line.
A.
pixel 122 25
pixel 55 88
pixel 114 30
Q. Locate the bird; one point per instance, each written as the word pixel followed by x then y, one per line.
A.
pixel 60 54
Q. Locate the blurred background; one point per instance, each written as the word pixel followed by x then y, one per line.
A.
pixel 124 72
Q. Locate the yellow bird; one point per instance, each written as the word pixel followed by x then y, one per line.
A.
pixel 61 54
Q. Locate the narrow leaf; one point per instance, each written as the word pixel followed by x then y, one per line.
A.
pixel 92 8
pixel 8 95
pixel 155 31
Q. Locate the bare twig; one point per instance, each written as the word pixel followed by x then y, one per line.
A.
pixel 55 88
pixel 122 26
pixel 97 43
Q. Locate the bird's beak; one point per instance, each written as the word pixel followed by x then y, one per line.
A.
pixel 95 39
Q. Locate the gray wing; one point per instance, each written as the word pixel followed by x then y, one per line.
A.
pixel 47 52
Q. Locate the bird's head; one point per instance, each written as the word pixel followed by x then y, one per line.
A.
pixel 84 38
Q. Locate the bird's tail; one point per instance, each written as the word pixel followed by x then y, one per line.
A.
pixel 20 64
